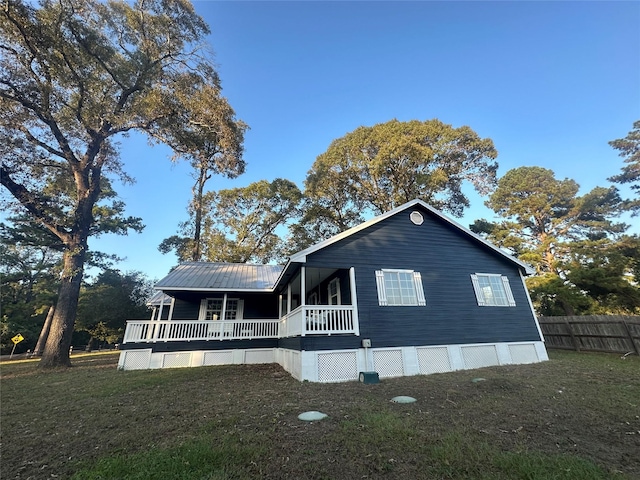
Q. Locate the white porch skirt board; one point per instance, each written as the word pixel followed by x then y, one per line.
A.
pixel 345 365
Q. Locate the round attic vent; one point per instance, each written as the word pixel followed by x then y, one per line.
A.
pixel 416 217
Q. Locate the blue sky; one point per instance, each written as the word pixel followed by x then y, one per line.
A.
pixel 549 82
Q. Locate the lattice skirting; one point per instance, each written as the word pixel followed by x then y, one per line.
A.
pixel 345 365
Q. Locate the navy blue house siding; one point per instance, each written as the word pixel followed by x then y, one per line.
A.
pixel 185 310
pixel 257 306
pixel 199 345
pixel 445 258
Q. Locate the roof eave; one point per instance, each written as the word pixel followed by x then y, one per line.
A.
pixel 209 289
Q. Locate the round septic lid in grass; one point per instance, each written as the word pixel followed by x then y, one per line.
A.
pixel 403 399
pixel 312 416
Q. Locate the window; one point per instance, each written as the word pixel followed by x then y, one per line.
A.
pixel 399 287
pixel 334 291
pixel 212 309
pixel 492 290
pixel 313 299
pixel 416 218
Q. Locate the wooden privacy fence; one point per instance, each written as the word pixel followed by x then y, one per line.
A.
pixel 596 333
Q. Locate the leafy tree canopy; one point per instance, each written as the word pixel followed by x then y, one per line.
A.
pixel 381 167
pixel 109 301
pixel 28 283
pixel 583 263
pixel 629 148
pixel 76 74
pixel 241 224
pixel 543 213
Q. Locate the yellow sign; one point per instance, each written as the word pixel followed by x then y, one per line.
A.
pixel 17 339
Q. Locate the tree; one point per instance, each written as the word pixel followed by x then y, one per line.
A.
pixel 28 275
pixel 543 213
pixel 75 75
pixel 241 224
pixel 608 272
pixel 544 220
pixel 553 296
pixel 629 148
pixel 381 167
pixel 217 154
pixel 109 301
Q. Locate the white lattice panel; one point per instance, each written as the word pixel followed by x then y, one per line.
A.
pixel 218 358
pixel 136 359
pixel 388 363
pixel 175 360
pixel 296 364
pixel 258 356
pixel 523 353
pixel 337 366
pixel 433 360
pixel 480 356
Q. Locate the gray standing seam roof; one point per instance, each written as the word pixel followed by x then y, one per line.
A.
pixel 206 276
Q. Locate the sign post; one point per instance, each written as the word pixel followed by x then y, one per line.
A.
pixel 16 340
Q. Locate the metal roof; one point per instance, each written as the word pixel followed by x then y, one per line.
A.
pixel 159 298
pixel 206 276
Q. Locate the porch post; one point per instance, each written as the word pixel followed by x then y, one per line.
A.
pixel 279 306
pixel 289 297
pixel 303 285
pixel 173 301
pixel 223 313
pixel 354 300
pixel 161 307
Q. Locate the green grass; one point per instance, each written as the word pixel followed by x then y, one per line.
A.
pixel 575 417
pixel 200 458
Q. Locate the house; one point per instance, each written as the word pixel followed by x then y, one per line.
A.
pixel 408 292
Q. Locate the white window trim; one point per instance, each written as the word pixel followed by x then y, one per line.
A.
pixel 417 282
pixel 336 282
pixel 480 295
pixel 202 315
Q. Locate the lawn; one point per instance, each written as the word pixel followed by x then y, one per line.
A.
pixel 574 417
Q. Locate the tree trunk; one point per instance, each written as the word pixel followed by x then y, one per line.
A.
pixel 569 311
pixel 198 192
pixel 56 350
pixel 44 333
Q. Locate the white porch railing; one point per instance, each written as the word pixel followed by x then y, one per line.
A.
pixel 179 330
pixel 304 320
pixel 318 319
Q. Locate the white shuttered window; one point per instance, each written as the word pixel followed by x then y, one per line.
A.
pixel 492 290
pixel 217 308
pixel 400 288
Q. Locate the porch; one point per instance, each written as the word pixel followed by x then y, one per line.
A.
pixel 304 320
